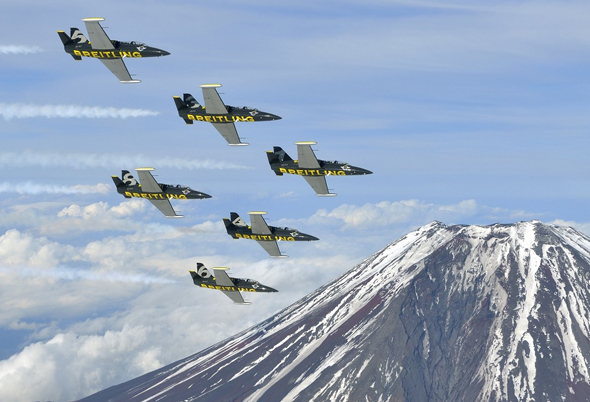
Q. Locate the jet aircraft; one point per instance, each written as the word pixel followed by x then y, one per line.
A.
pixel 231 287
pixel 157 193
pixel 313 170
pixel 109 52
pixel 222 116
pixel 266 236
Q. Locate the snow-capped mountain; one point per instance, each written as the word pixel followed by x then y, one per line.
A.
pixel 446 313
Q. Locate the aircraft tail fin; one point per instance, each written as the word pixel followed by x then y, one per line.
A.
pixel 127 179
pixel 66 40
pixel 201 273
pixel 118 182
pixel 190 101
pixel 273 159
pixel 233 223
pixel 236 220
pixel 77 36
pixel 281 155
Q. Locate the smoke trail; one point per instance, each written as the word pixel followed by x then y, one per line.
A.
pixel 72 274
pixel 107 161
pixel 24 111
pixel 17 49
pixel 30 188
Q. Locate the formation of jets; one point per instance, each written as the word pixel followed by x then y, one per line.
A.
pixel 223 117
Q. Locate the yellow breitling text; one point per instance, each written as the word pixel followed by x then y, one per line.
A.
pixel 230 288
pixel 155 196
pixel 313 172
pixel 107 54
pixel 264 237
pixel 219 118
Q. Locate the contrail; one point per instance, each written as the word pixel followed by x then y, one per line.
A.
pixel 17 49
pixel 72 274
pixel 26 111
pixel 107 161
pixel 30 188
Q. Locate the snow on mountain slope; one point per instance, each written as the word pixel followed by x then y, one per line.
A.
pixel 462 313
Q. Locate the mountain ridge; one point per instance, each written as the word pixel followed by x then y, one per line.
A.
pixel 444 313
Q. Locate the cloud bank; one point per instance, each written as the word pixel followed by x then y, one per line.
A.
pixel 26 111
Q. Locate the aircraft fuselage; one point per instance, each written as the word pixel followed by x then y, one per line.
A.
pixel 240 285
pixel 327 168
pixel 121 50
pixel 277 233
pixel 168 192
pixel 234 114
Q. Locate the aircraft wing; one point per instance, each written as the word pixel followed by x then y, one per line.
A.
pixel 166 208
pixel 258 223
pixel 118 67
pixel 271 247
pixel 229 132
pixel 306 156
pixel 98 37
pixel 319 185
pixel 222 279
pixel 150 185
pixel 259 226
pixel 100 40
pixel 213 102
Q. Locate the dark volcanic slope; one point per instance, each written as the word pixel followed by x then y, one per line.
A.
pixel 459 313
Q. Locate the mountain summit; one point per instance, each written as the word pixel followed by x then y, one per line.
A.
pixel 446 313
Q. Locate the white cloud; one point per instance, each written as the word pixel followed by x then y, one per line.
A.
pixel 68 361
pixel 387 213
pixel 19 49
pixel 583 227
pixel 25 111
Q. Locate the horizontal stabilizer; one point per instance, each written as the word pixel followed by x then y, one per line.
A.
pixel 179 103
pixel 64 38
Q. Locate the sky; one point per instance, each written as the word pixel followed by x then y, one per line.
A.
pixel 467 112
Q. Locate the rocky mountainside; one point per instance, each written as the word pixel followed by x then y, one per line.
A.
pixel 446 313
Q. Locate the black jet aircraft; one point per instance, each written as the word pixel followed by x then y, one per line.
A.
pixel 313 170
pixel 266 236
pixel 222 116
pixel 110 52
pixel 156 193
pixel 231 287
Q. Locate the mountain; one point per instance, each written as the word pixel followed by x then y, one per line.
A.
pixel 446 313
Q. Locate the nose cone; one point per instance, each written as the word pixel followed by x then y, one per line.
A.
pixel 268 289
pixel 160 52
pixel 358 171
pixel 308 237
pixel 269 116
pixel 198 194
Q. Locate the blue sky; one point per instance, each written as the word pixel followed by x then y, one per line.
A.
pixel 466 113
